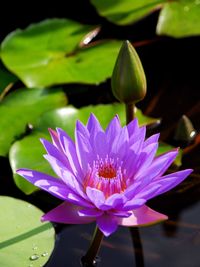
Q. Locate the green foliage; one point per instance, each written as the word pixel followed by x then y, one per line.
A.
pixel 125 12
pixel 176 19
pixel 21 108
pixel 180 19
pixel 50 53
pixel 23 236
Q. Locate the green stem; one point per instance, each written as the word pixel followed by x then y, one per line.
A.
pixel 130 113
pixel 137 244
pixel 89 259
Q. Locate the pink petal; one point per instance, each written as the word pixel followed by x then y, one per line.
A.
pixel 142 217
pixel 107 224
pixel 66 213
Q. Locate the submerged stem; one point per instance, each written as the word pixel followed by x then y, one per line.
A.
pixel 137 244
pixel 89 259
pixel 130 113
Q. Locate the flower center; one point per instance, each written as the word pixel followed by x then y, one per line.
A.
pixel 107 171
pixel 106 175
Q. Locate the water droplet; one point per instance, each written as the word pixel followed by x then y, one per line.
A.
pixel 45 254
pixel 30 265
pixel 29 205
pixel 34 257
pixel 35 248
pixel 186 8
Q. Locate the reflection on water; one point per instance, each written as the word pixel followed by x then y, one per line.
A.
pixel 182 248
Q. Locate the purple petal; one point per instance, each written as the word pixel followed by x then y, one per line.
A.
pixel 120 143
pixel 66 176
pixel 69 150
pixel 67 213
pixel 157 168
pixel 46 182
pixel 134 204
pixel 93 125
pixel 137 139
pixel 84 150
pixel 55 139
pixel 115 201
pixel 152 139
pixel 133 127
pixel 79 201
pixel 96 196
pixel 142 217
pixel 107 224
pixel 113 129
pixel 53 151
pixel 90 212
pixel 168 182
pixel 120 213
pixel 100 145
pixel 149 191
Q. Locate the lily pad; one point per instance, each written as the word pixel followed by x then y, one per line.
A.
pixel 27 153
pixel 51 52
pixel 180 18
pixel 163 148
pixel 6 78
pixel 22 107
pixel 24 240
pixel 125 12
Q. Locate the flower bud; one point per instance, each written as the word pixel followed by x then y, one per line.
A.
pixel 185 131
pixel 128 79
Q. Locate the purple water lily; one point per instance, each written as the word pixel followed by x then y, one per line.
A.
pixel 105 176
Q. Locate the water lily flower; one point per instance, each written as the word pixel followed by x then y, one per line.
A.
pixel 105 176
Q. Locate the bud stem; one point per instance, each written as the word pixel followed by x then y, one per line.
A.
pixel 89 259
pixel 130 112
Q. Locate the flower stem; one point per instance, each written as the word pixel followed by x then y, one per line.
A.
pixel 89 259
pixel 137 244
pixel 129 112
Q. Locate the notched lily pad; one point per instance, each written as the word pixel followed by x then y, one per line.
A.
pixel 52 52
pixel 24 240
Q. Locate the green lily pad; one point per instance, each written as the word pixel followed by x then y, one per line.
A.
pixel 22 107
pixel 180 18
pixel 50 52
pixel 125 12
pixel 24 240
pixel 163 148
pixel 27 153
pixel 6 78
